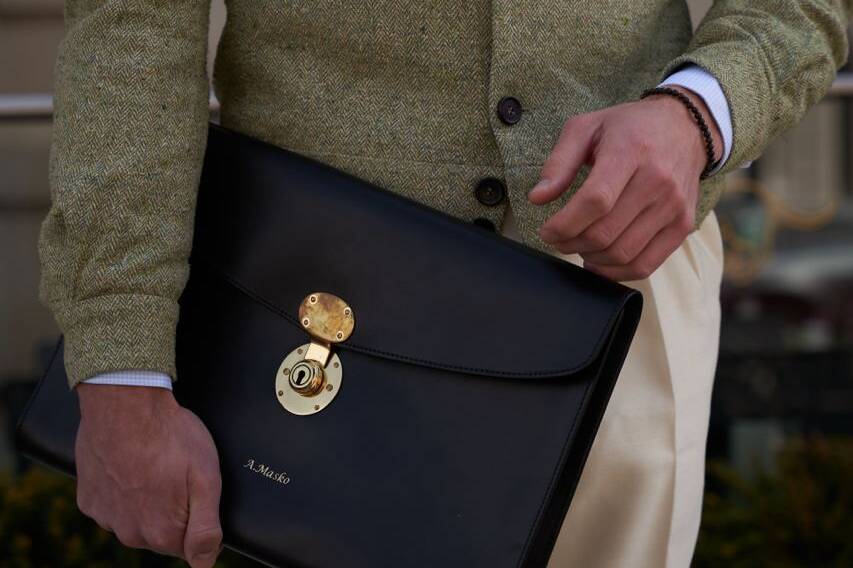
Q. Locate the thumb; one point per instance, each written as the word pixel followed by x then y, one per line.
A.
pixel 571 151
pixel 203 537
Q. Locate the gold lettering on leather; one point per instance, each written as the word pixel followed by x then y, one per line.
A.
pixel 265 471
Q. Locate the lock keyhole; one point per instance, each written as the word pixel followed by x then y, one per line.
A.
pixel 300 379
pixel 307 377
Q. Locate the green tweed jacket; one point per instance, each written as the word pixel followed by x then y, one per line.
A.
pixel 400 92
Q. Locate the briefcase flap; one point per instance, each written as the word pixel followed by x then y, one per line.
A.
pixel 425 289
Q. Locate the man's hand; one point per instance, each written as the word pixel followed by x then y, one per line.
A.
pixel 638 202
pixel 147 470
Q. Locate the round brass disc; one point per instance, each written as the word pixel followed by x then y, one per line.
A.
pixel 300 404
pixel 326 317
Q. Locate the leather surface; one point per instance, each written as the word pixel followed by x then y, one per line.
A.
pixel 473 383
pixel 486 310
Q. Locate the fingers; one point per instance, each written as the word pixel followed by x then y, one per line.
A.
pixel 650 238
pixel 632 241
pixel 203 537
pixel 650 258
pixel 596 198
pixel 648 204
pixel 159 535
pixel 609 231
pixel 571 151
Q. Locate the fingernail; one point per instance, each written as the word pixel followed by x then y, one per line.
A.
pixel 540 187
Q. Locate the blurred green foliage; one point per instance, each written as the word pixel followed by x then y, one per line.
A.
pixel 799 515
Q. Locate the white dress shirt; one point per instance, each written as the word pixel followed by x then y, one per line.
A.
pixel 690 77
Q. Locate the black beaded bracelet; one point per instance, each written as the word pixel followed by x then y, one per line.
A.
pixel 700 121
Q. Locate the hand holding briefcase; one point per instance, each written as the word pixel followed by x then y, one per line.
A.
pixel 386 385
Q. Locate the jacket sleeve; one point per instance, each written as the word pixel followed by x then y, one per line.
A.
pixel 773 59
pixel 129 133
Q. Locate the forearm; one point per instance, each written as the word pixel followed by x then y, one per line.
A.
pixel 129 130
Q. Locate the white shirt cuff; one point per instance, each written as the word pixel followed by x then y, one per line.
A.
pixel 132 378
pixel 708 88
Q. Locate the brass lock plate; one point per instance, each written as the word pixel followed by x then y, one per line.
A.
pixel 310 376
pixel 302 386
pixel 326 317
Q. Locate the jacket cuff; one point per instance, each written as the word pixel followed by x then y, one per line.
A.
pixel 747 89
pixel 118 331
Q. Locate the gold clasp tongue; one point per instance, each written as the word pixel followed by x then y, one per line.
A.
pixel 310 376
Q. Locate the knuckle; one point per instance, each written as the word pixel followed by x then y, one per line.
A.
pixel 600 236
pixel 162 539
pixel 599 201
pixel 659 174
pixel 101 520
pixel 205 537
pixel 642 270
pixel 633 157
pixel 129 537
pixel 684 224
pixel 676 197
pixel 642 144
pixel 636 141
pixel 616 142
pixel 619 253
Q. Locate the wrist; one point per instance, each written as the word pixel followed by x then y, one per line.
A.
pixel 707 128
pixel 706 113
pixel 95 398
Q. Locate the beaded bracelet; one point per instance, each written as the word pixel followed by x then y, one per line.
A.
pixel 700 121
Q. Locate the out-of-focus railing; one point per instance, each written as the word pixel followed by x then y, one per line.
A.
pixel 40 105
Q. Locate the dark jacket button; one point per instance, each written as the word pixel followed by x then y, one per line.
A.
pixel 490 192
pixel 509 110
pixel 485 223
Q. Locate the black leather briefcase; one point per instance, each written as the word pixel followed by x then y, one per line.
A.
pixel 386 385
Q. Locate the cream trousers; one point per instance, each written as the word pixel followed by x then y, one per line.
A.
pixel 639 500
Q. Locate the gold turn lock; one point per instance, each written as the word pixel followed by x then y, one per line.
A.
pixel 310 376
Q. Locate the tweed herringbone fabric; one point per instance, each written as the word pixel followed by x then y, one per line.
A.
pixel 398 92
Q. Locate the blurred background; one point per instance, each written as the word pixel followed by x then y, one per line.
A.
pixel 779 486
